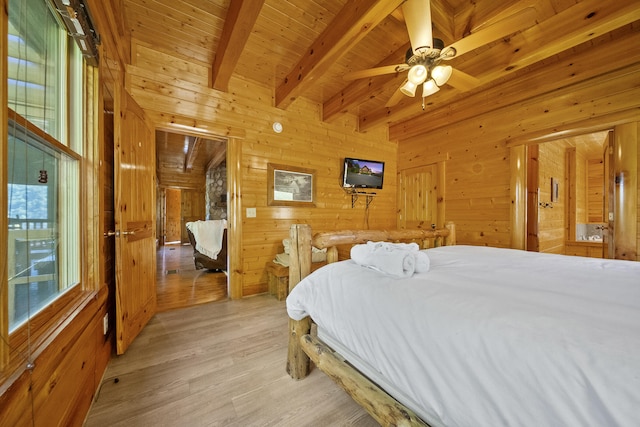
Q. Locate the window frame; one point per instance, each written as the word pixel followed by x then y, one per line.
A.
pixel 27 341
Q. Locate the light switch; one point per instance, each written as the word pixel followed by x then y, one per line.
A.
pixel 251 212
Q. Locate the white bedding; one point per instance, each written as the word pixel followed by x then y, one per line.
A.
pixel 491 337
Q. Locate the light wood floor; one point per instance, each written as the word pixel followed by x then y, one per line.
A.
pixel 218 364
pixel 179 284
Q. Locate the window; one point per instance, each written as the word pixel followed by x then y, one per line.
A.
pixel 44 152
pixel 43 238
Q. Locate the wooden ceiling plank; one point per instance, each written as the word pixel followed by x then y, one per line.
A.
pixel 521 19
pixel 241 17
pixel 556 75
pixel 219 157
pixel 356 19
pixel 361 90
pixel 470 18
pixel 563 31
pixel 559 33
pixel 442 16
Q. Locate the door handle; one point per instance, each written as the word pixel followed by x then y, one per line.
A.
pixel 117 233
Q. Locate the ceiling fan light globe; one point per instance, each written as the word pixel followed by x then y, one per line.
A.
pixel 409 88
pixel 417 74
pixel 429 88
pixel 441 74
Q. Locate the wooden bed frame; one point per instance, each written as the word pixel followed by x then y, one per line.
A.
pixel 303 347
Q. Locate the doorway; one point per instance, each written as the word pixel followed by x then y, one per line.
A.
pixel 567 210
pixel 192 186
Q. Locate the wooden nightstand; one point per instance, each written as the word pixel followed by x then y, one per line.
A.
pixel 278 276
pixel 278 280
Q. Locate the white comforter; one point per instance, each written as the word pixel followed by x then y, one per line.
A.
pixel 491 337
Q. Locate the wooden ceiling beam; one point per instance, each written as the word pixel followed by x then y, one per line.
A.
pixel 241 17
pixel 219 155
pixel 192 153
pixel 362 90
pixel 356 19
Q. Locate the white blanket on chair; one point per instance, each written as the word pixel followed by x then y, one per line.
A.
pixel 208 235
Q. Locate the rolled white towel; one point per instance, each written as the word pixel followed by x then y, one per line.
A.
pixel 388 246
pixel 423 263
pixel 393 259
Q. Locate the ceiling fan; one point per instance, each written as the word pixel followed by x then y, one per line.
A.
pixel 424 61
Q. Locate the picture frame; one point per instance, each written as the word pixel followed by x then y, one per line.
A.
pixel 290 186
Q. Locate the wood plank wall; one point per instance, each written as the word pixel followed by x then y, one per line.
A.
pixel 246 113
pixel 476 132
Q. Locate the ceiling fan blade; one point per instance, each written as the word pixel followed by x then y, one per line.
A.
pixel 462 81
pixel 521 20
pixel 396 97
pixel 417 18
pixel 378 71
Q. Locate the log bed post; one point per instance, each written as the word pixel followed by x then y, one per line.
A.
pixel 299 266
pixel 450 240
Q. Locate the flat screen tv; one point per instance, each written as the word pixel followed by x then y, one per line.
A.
pixel 360 173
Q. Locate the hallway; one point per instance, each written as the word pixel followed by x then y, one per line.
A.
pixel 179 284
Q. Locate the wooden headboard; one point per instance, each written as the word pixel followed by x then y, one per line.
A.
pixel 302 241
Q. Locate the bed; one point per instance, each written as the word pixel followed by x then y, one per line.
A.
pixel 486 336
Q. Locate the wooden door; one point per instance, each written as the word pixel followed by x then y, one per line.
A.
pixel 173 215
pixel 193 208
pixel 134 176
pixel 417 197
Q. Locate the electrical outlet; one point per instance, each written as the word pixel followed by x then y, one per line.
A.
pixel 105 324
pixel 251 212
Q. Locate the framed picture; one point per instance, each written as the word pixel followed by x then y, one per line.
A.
pixel 290 186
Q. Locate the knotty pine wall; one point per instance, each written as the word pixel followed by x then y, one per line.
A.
pixel 246 114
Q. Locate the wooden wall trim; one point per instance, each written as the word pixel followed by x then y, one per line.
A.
pixel 518 189
pixel 4 225
pixel 234 224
